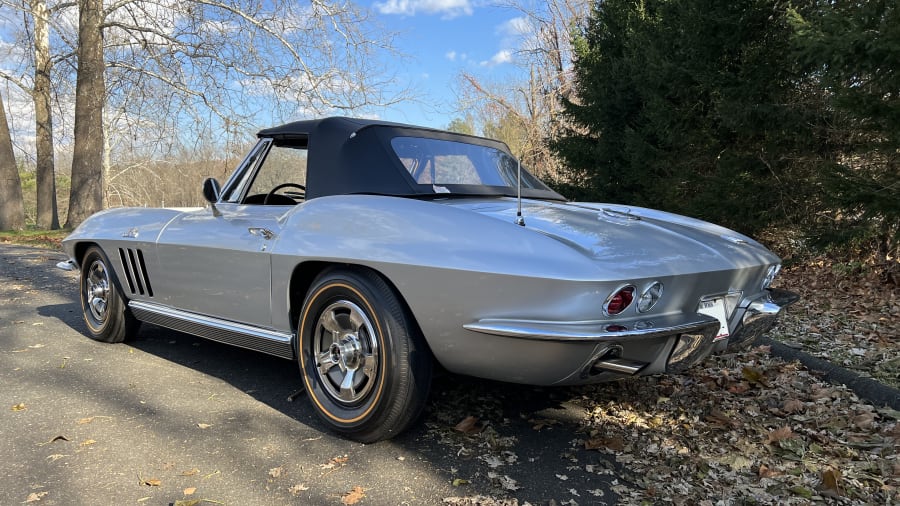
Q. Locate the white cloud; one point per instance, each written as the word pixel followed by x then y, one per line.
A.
pixel 454 56
pixel 448 8
pixel 516 27
pixel 503 56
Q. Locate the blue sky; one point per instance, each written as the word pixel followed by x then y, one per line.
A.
pixel 443 38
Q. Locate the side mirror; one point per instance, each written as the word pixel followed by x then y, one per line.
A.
pixel 211 190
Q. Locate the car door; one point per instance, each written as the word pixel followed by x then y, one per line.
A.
pixel 217 260
pixel 217 263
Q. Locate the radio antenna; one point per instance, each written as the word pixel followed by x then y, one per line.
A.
pixel 519 219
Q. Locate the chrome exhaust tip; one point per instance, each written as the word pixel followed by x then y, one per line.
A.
pixel 610 360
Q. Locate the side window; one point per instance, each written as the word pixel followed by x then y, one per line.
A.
pixel 284 164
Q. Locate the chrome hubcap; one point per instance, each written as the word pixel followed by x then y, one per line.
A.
pixel 96 288
pixel 346 351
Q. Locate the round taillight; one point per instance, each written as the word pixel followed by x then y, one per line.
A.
pixel 619 300
pixel 649 297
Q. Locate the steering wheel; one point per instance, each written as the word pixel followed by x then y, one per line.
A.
pixel 284 185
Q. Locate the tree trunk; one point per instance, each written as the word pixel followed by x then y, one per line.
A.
pixel 90 94
pixel 47 214
pixel 12 209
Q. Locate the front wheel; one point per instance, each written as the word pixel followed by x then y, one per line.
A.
pixel 102 305
pixel 365 364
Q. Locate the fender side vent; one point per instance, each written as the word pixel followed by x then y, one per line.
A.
pixel 135 271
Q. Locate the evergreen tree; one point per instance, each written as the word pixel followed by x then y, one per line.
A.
pixel 853 48
pixel 690 106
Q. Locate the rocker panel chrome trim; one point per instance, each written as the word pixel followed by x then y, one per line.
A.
pixel 236 334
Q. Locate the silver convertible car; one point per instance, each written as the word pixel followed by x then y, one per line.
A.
pixel 370 252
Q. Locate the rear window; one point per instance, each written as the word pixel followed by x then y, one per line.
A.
pixel 448 163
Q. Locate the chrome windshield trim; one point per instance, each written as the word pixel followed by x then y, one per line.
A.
pixel 209 321
pixel 595 330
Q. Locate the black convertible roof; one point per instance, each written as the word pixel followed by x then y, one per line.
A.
pixel 350 155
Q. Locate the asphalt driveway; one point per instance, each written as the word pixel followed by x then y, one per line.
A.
pixel 168 417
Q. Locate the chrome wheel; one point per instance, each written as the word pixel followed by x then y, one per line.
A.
pixel 104 309
pixel 97 290
pixel 345 346
pixel 365 364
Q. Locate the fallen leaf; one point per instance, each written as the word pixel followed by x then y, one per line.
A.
pixel 83 421
pixel 353 496
pixel 792 406
pixel 19 407
pixel 335 462
pixel 738 462
pixel 739 388
pixel 296 489
pixel 276 472
pixel 755 376
pixel 615 444
pixel 88 442
pixel 779 435
pixel 152 482
pixel 505 481
pixel 766 472
pixel 187 502
pixel 864 421
pixel 468 425
pixel 204 425
pixel 35 496
pixel 190 490
pixel 460 481
pixel 831 482
pixel 819 393
pixel 717 417
pixel 190 472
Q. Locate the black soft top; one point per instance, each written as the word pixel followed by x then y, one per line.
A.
pixel 350 155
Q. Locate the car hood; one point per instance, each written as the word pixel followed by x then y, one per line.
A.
pixel 632 238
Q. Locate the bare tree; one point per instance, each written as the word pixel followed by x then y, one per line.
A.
pixel 528 110
pixel 47 214
pixel 176 67
pixel 12 209
pixel 90 96
pixel 37 15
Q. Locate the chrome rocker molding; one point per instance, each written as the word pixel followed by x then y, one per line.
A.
pixel 759 316
pixel 215 329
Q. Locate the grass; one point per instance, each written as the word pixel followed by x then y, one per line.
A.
pixel 34 237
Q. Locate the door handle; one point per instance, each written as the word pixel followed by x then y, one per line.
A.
pixel 261 232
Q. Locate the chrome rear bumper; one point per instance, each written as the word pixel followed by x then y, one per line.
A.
pixel 759 316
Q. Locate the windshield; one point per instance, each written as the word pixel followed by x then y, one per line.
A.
pixel 443 163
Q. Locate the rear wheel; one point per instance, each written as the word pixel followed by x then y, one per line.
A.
pixel 102 305
pixel 364 362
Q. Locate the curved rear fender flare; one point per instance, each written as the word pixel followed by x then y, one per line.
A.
pixel 302 278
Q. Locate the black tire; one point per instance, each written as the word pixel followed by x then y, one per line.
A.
pixel 102 305
pixel 353 325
